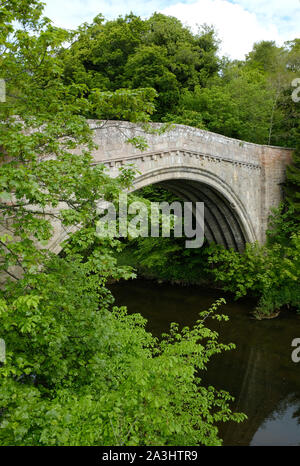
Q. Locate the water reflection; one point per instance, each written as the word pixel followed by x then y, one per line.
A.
pixel 259 373
pixel 271 432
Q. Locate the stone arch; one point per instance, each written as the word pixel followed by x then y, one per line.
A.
pixel 226 219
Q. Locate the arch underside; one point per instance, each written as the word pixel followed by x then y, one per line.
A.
pixel 220 224
pixel 225 219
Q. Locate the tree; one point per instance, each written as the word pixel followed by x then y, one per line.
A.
pixel 149 67
pixel 280 66
pixel 270 273
pixel 292 188
pixel 265 55
pixel 237 105
pixel 99 51
pixel 78 370
pixel 130 52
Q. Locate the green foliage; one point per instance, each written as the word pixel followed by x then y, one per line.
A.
pixel 149 67
pixel 292 189
pixel 167 259
pixel 265 56
pixel 100 51
pixel 272 273
pixel 78 370
pixel 81 375
pixel 238 107
pixel 186 117
pixel 249 100
pixel 42 177
pixel 269 272
pixel 131 53
pixel 77 374
pixel 131 105
pixel 282 224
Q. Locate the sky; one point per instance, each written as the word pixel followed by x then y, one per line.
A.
pixel 239 23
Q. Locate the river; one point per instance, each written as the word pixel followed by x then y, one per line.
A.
pixel 259 373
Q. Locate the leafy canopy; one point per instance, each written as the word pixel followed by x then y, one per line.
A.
pixel 78 370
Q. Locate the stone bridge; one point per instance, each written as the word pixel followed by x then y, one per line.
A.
pixel 238 182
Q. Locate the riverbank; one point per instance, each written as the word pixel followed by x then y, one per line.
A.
pixel 269 273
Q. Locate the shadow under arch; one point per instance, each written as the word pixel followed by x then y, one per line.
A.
pixel 226 219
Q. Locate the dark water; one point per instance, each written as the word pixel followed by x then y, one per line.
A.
pixel 260 373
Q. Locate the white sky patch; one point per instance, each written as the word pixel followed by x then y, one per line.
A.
pixel 285 14
pixel 236 27
pixel 71 13
pixel 239 23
